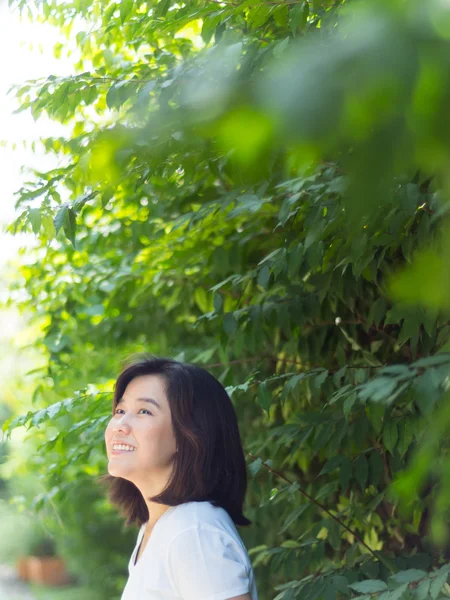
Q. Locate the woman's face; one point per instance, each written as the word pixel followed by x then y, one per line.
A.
pixel 139 422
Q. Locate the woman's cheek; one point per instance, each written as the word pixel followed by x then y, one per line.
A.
pixel 108 431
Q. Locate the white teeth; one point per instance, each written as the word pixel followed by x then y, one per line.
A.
pixel 123 447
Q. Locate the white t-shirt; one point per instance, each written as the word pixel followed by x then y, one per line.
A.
pixel 194 553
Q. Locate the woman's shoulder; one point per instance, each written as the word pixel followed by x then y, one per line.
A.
pixel 204 558
pixel 203 514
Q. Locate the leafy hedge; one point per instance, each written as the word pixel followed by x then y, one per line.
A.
pixel 245 187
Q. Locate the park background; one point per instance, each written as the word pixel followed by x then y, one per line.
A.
pixel 260 188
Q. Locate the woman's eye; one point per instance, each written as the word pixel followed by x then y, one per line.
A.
pixel 147 411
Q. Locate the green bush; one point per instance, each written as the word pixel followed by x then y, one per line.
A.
pixel 44 546
pixel 18 533
pixel 261 189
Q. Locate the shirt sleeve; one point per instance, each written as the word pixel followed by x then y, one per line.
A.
pixel 207 564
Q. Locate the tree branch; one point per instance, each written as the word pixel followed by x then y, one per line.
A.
pixel 325 509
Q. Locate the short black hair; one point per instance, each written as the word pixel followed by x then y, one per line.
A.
pixel 210 463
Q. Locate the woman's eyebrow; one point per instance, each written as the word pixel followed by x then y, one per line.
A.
pixel 149 400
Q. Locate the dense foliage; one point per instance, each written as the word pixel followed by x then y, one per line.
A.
pixel 243 187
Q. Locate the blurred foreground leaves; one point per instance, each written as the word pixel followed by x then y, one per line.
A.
pixel 260 188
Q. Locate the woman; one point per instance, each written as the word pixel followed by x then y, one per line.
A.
pixel 176 468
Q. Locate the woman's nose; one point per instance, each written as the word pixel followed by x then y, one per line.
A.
pixel 121 424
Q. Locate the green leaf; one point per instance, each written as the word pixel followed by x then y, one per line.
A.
pixel 433 361
pixel 378 389
pixel 258 15
pixel 264 276
pixel 280 48
pixel 78 204
pixel 376 414
pixel 201 299
pixel 81 35
pixel 443 336
pixel 303 436
pixel 295 259
pixel 161 8
pixel 125 9
pixel 345 473
pixel 409 575
pixel 264 396
pixel 351 555
pixel 326 491
pixel 329 592
pixel 377 311
pixel 255 466
pixel 422 590
pixel 390 435
pixel 34 215
pixel 293 516
pixel 94 310
pixel 437 583
pixel 341 584
pixel 70 225
pixel 38 417
pixel 375 502
pixel 361 471
pixel 48 227
pixel 320 379
pixel 348 404
pixel 111 97
pixel 218 302
pixel 334 534
pixel 369 586
pixel 376 468
pixel 370 569
pixel 339 375
pixel 107 194
pixel 411 325
pixel 405 435
pixel 323 434
pixel 398 592
pixel 229 323
pixel 298 16
pixel 61 217
pixel 54 409
pixel 331 465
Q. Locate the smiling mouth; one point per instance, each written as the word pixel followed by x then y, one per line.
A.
pixel 117 451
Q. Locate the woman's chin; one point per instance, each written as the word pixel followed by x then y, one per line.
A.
pixel 115 470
